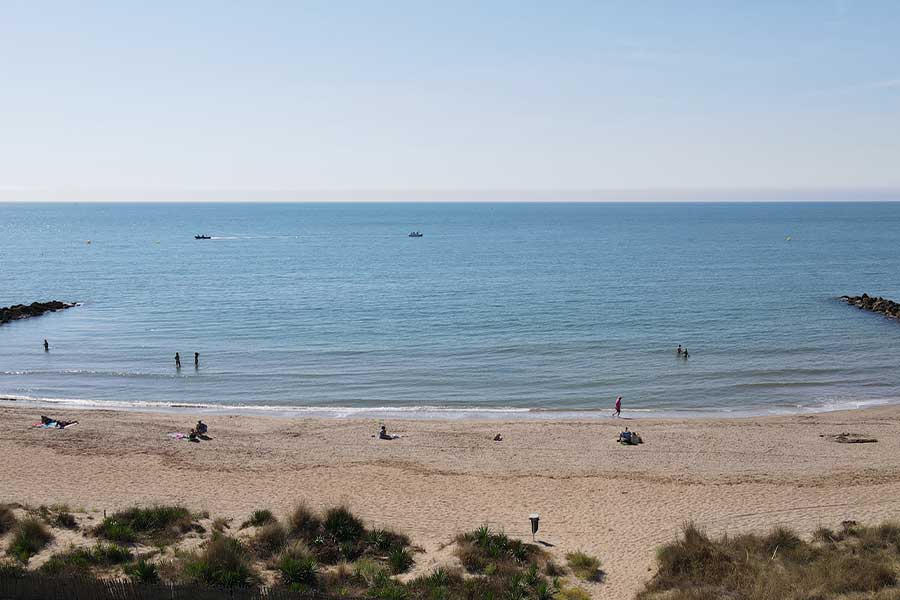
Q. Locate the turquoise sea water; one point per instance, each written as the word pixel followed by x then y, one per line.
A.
pixel 499 307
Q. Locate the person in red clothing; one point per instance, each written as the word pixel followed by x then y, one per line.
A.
pixel 618 411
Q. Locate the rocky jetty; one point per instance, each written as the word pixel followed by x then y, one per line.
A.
pixel 35 309
pixel 874 304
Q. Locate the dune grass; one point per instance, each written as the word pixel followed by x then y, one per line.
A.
pixel 78 561
pixel 223 562
pixel 8 519
pixel 584 566
pixel 142 571
pixel 483 549
pixel 338 536
pixel 29 537
pixel 269 539
pixel 835 564
pixel 259 518
pixel 157 524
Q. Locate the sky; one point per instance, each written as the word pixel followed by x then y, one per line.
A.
pixel 450 100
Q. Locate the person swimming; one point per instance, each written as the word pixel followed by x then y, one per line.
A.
pixel 680 350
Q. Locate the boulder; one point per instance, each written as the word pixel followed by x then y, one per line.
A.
pixel 35 309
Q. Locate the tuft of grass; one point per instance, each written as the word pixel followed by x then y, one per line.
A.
pixel 157 524
pixel 111 554
pixel 142 571
pixel 343 526
pixel 269 539
pixel 584 566
pixel 220 524
pixel 223 562
pixel 29 537
pixel 304 523
pixel 65 520
pixel 571 593
pixel 368 570
pixel 259 518
pixel 485 551
pixel 115 531
pixel 400 560
pixel 78 561
pixel 299 573
pixel 8 519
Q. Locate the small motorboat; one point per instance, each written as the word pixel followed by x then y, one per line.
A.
pixel 202 237
pixel 415 234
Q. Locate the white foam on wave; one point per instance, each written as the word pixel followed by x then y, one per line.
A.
pixel 429 412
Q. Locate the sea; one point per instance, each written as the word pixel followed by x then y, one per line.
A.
pixel 506 310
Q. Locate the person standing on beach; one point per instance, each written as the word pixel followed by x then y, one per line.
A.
pixel 177 361
pixel 196 360
pixel 46 345
pixel 618 411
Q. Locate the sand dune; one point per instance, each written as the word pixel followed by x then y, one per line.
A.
pixel 442 477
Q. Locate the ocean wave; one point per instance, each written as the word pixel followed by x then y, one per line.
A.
pixel 428 412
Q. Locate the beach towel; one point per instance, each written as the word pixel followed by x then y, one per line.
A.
pixel 52 425
pixel 177 435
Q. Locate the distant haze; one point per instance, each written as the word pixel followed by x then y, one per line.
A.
pixel 456 101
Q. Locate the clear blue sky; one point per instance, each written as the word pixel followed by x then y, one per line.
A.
pixel 230 96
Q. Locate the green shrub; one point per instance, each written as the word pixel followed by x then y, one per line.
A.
pixel 343 526
pixel 142 572
pixel 386 540
pixel 66 520
pixel 385 588
pixel 400 560
pixel 111 554
pixel 304 523
pixel 269 539
pixel 116 531
pixel 368 570
pixel 223 562
pixel 855 561
pixel 299 573
pixel 480 549
pixel 584 566
pixel 159 524
pixel 29 537
pixel 8 519
pixel 259 518
pixel 78 561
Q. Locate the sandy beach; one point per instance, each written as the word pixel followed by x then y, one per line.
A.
pixel 443 477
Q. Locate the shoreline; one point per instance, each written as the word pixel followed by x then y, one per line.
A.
pixel 435 413
pixel 443 477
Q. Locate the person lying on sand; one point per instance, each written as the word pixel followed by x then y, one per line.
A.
pixel 47 421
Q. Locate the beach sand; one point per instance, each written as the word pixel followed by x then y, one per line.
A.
pixel 443 477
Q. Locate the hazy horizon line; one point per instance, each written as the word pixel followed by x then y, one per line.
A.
pixel 11 194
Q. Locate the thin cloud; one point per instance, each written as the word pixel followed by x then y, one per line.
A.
pixel 868 86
